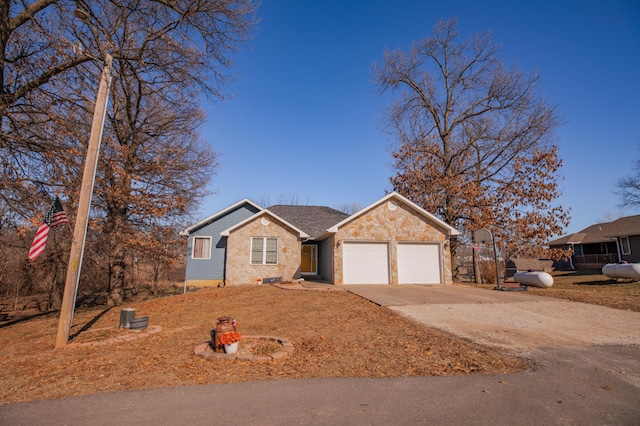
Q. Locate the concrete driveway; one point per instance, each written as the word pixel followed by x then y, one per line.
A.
pixel 516 321
pixel 402 295
pixel 534 327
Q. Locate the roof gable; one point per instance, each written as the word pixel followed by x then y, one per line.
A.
pixel 262 213
pixel 215 216
pixel 449 230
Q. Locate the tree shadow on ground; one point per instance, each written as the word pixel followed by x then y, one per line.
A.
pixel 603 282
pixel 89 324
pixel 27 318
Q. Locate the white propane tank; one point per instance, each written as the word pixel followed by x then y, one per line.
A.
pixel 622 270
pixel 534 279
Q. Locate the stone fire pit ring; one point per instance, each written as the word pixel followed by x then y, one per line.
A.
pixel 204 351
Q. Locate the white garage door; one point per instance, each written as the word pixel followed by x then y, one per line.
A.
pixel 365 263
pixel 418 263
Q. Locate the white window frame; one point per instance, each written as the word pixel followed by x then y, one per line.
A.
pixel 624 246
pixel 263 260
pixel 193 248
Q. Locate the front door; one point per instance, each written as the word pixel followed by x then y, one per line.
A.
pixel 309 262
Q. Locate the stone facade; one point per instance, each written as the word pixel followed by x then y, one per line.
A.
pixel 392 222
pixel 239 269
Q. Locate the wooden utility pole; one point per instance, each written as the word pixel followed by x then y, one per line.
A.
pixel 82 216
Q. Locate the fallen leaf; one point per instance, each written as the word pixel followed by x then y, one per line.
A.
pixel 324 347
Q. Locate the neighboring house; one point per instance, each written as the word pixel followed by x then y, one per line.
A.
pixel 392 241
pixel 603 243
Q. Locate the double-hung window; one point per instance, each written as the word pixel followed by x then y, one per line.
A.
pixel 264 251
pixel 626 247
pixel 201 248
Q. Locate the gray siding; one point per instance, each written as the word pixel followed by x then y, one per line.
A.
pixel 634 243
pixel 325 259
pixel 213 269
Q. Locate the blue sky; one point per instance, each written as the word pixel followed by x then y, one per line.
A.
pixel 304 118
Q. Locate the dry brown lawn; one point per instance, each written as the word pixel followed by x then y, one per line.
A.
pixel 590 287
pixel 334 333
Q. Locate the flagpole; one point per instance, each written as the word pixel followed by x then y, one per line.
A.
pixel 82 216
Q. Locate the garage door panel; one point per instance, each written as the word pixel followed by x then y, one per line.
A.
pixel 365 263
pixel 418 263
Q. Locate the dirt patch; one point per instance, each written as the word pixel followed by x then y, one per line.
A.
pixel 335 334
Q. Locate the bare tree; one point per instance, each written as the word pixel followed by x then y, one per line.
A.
pixel 45 52
pixel 610 217
pixel 40 41
pixel 168 57
pixel 349 208
pixel 290 199
pixel 628 188
pixel 264 200
pixel 155 169
pixel 474 138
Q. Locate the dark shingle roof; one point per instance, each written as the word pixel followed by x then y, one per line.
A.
pixel 576 238
pixel 313 220
pixel 625 226
pixel 602 232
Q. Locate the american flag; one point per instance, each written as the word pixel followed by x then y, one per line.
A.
pixel 54 217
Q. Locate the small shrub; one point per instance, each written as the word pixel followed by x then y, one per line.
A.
pixel 488 272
